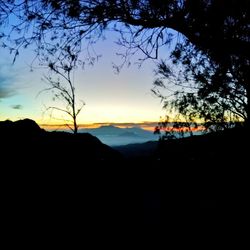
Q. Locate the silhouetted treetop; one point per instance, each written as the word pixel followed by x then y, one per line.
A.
pixel 217 30
pixel 220 28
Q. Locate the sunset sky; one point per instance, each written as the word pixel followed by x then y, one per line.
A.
pixel 109 97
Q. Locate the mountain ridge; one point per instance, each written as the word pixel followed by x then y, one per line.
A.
pixel 25 140
pixel 59 169
pixel 114 130
pixel 115 136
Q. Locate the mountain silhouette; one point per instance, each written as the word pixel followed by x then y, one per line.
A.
pixel 20 128
pixel 141 132
pixel 115 136
pixel 48 176
pixel 24 139
pixel 103 130
pixel 113 130
pixel 54 178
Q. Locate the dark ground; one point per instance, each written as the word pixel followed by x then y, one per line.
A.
pixel 59 181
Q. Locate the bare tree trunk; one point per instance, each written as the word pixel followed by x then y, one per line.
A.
pixel 74 115
pixel 75 125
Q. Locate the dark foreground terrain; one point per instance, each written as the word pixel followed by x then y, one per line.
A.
pixel 57 180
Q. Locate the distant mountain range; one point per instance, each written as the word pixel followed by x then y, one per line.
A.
pixel 114 136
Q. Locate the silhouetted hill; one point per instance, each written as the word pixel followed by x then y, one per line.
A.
pixel 57 179
pixel 213 149
pixel 20 128
pixel 200 180
pixel 61 177
pixel 24 140
pixel 139 151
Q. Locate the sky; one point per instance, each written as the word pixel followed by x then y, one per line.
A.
pixel 110 98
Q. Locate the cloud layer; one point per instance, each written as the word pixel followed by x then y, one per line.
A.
pixel 6 81
pixel 6 92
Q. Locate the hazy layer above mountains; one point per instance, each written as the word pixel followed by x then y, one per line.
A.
pixel 114 136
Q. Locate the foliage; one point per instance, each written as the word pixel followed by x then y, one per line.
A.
pixel 177 129
pixel 212 42
pixel 201 90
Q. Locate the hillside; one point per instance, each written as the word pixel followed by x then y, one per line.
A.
pixel 225 147
pixel 177 182
pixel 25 141
pixel 196 173
pixel 139 151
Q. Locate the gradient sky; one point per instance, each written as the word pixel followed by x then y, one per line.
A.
pixel 109 97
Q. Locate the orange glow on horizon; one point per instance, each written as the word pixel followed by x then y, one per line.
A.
pixel 185 129
pixel 149 126
pixel 145 126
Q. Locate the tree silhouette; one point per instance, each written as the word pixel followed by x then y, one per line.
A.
pixel 200 91
pixel 63 88
pixel 217 30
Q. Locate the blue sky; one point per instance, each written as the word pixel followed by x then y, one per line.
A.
pixel 109 97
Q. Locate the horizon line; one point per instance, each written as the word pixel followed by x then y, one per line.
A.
pixel 102 123
pixel 145 125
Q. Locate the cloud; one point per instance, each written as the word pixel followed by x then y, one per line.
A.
pixel 17 106
pixel 6 92
pixel 7 79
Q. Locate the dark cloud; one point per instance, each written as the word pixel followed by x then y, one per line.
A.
pixel 17 106
pixel 6 81
pixel 6 92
